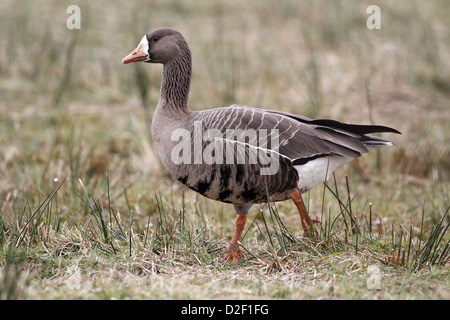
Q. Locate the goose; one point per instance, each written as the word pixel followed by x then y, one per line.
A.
pixel 239 154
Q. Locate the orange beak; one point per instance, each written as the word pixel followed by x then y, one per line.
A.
pixel 136 55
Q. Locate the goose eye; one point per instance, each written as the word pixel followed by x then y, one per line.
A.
pixel 154 39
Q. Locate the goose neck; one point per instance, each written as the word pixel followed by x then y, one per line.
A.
pixel 175 83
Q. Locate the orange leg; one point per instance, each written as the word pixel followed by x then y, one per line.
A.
pixel 306 221
pixel 233 252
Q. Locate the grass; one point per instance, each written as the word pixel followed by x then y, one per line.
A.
pixel 87 211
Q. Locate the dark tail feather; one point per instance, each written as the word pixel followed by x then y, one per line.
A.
pixel 353 128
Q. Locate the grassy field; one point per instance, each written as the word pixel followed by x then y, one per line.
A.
pixel 88 212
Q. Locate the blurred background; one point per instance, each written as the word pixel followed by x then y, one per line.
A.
pixel 69 107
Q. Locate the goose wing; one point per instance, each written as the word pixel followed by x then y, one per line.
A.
pixel 298 138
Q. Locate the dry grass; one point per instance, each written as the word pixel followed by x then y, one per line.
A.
pixel 71 111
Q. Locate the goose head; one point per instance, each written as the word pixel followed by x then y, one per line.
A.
pixel 161 45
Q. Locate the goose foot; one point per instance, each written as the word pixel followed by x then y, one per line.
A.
pixel 307 222
pixel 310 231
pixel 233 255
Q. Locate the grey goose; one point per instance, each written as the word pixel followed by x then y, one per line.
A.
pixel 239 154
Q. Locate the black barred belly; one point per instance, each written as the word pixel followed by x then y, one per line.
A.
pixel 239 183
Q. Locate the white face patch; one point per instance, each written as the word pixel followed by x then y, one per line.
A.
pixel 143 46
